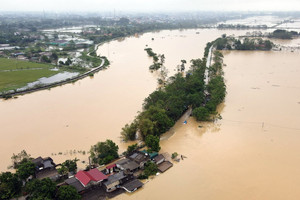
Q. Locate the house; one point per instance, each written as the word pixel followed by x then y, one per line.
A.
pixel 115 180
pixel 44 163
pixel 151 155
pixel 61 43
pixel 45 168
pixel 159 159
pixel 91 177
pixel 132 186
pixel 127 164
pixel 164 166
pixel 110 169
pixel 140 158
pixel 75 183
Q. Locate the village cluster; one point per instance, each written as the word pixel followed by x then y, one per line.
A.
pixel 119 175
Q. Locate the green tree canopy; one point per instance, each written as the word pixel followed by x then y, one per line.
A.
pixel 129 131
pixel 10 185
pixel 67 192
pixel 25 170
pixel 104 152
pixel 152 142
pixel 41 189
pixel 201 114
pixel 68 166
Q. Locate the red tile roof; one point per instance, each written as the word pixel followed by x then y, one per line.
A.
pixel 92 175
pixel 110 166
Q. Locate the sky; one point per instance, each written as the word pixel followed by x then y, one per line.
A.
pixel 149 5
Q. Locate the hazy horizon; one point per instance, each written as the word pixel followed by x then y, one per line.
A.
pixel 150 6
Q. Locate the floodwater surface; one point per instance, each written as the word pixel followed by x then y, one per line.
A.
pixel 67 119
pixel 252 153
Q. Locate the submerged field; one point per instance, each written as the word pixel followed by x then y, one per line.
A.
pixel 16 74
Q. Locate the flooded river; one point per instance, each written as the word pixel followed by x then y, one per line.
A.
pixel 252 153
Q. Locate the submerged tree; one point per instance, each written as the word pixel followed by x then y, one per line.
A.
pixel 104 152
pixel 152 142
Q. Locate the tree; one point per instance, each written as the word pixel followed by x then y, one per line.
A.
pixel 104 152
pixel 54 56
pixel 152 142
pixel 68 62
pixel 41 189
pixel 131 149
pixel 45 59
pixel 67 192
pixel 149 170
pixel 25 170
pixel 10 185
pixel 68 166
pixel 201 114
pixel 146 127
pixel 19 158
pixel 182 66
pixel 129 131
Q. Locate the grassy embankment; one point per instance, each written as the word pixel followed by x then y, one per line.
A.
pixel 16 73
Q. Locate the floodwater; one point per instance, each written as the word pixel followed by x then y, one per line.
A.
pixel 75 116
pixel 252 153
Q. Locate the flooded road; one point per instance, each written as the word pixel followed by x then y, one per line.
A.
pixel 252 153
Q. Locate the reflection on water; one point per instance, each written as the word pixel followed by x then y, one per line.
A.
pixel 252 153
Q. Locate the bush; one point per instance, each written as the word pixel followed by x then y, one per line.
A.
pixel 174 155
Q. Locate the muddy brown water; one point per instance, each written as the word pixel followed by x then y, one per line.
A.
pixel 252 153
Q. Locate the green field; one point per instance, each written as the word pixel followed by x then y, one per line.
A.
pixel 27 72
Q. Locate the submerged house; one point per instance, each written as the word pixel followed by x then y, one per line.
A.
pixel 110 169
pixel 159 159
pixel 114 181
pixel 75 183
pixel 140 158
pixel 132 185
pixel 90 178
pixel 45 168
pixel 127 165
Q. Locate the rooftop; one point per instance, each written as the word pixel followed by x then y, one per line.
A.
pixel 115 177
pixel 75 183
pixel 159 158
pixel 128 164
pixel 85 177
pixel 133 185
pixel 165 166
